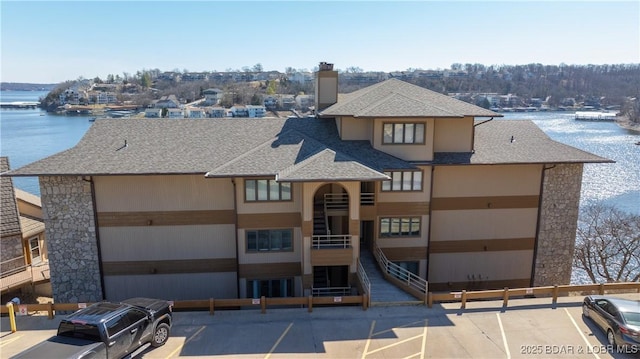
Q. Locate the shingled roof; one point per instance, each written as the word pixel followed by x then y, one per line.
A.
pixel 395 98
pixel 9 218
pixel 216 147
pixel 515 142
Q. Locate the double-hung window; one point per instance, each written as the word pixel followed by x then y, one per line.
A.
pixel 274 240
pixel 408 133
pixel 403 181
pixel 267 190
pixel 400 227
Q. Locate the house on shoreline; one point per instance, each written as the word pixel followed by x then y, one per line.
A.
pixel 212 208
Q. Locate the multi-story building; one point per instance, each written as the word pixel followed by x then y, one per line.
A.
pixel 284 207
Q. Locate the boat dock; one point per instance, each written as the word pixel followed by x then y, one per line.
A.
pixel 19 105
pixel 595 116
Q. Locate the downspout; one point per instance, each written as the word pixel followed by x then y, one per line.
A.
pixel 433 168
pixel 97 232
pixel 235 207
pixel 535 244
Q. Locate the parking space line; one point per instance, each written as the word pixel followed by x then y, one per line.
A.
pixel 394 344
pixel 278 341
pixel 586 341
pixel 10 340
pixel 504 337
pixel 424 340
pixel 185 342
pixel 366 346
pixel 394 328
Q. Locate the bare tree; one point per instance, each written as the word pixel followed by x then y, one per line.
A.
pixel 608 244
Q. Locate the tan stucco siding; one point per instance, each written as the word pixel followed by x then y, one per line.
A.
pixel 453 135
pixel 352 129
pixel 487 266
pixel 245 257
pixel 495 180
pixel 167 242
pixel 483 224
pixel 409 152
pixel 162 193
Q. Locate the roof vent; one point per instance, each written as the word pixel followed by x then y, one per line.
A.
pixel 325 66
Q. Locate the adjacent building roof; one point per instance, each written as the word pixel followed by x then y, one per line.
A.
pixel 395 98
pixel 9 219
pixel 514 142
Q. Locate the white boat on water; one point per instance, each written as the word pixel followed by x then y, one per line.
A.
pixel 595 116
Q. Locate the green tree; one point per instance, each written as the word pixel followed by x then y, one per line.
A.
pixel 145 80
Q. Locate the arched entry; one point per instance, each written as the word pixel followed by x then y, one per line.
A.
pixel 331 241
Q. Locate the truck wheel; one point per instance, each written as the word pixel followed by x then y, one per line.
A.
pixel 161 335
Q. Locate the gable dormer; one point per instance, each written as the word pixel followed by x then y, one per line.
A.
pixel 405 120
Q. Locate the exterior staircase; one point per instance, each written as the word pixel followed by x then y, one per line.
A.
pixel 384 293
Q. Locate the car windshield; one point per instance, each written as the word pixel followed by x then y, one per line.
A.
pixel 77 330
pixel 631 318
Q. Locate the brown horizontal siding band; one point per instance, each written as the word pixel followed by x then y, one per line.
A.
pixel 170 266
pixel 269 270
pixel 269 220
pixel 480 285
pixel 482 245
pixel 498 202
pixel 405 254
pixel 165 218
pixel 331 256
pixel 402 208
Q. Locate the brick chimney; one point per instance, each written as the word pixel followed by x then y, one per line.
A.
pixel 326 86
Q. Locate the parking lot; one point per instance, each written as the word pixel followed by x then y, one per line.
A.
pixel 528 328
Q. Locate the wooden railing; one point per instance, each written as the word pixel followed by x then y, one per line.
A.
pixel 331 241
pixel 212 304
pixel 18 277
pixel 506 293
pixel 403 276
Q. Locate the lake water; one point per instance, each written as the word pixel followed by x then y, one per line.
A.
pixel 30 135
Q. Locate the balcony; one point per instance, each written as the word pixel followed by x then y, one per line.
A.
pixel 330 250
pixel 18 277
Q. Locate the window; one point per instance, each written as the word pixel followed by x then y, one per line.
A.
pixel 400 227
pixel 403 181
pixel 267 190
pixel 270 288
pixel 269 240
pixel 403 133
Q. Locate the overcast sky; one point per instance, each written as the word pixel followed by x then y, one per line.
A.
pixel 53 41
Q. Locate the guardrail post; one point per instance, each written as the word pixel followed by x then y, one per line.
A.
pixel 50 310
pixel 505 297
pixel 310 305
pixel 430 300
pixel 364 301
pixel 263 304
pixel 463 303
pixel 211 306
pixel 555 295
pixel 601 289
pixel 12 317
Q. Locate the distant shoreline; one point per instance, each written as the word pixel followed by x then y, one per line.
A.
pixel 624 122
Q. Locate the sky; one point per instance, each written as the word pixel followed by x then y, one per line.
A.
pixel 56 41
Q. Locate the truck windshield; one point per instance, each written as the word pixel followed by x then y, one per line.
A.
pixel 77 330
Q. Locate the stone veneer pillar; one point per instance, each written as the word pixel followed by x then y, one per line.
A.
pixel 558 223
pixel 68 213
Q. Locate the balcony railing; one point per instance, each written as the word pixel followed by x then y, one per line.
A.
pixel 336 201
pixel 367 199
pixel 331 241
pixel 331 292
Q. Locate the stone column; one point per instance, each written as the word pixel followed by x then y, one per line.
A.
pixel 67 206
pixel 558 223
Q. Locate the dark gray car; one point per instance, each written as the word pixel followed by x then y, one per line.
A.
pixel 618 318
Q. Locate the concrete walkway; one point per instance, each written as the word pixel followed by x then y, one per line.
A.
pixel 384 293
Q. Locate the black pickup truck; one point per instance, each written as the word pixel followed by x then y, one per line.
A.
pixel 107 330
